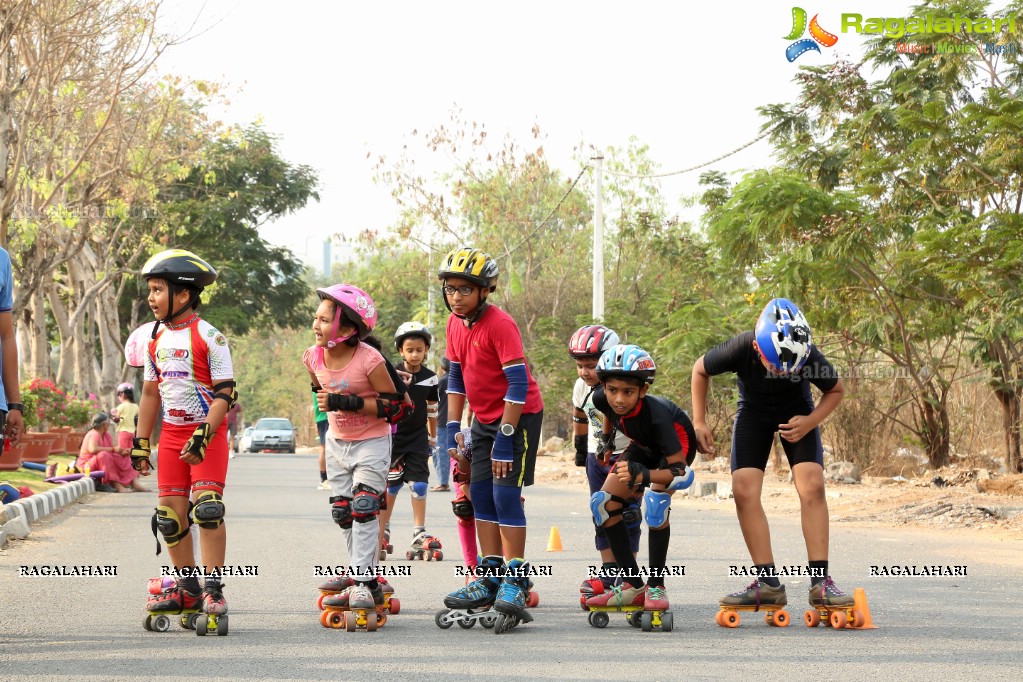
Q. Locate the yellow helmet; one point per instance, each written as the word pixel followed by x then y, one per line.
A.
pixel 470 264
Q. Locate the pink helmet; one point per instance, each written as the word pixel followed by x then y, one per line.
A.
pixel 135 347
pixel 355 304
pixel 121 388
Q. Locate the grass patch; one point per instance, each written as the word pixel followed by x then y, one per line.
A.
pixel 34 479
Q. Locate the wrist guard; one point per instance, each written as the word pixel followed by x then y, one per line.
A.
pixel 639 474
pixel 201 437
pixel 581 443
pixel 140 453
pixel 344 403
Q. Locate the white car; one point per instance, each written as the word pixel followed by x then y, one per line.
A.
pixel 272 435
pixel 245 441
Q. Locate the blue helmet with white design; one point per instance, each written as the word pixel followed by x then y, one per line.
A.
pixel 626 360
pixel 783 336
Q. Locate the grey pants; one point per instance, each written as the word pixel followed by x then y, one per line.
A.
pixel 349 464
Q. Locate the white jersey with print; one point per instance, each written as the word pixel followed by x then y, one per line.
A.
pixel 582 399
pixel 187 362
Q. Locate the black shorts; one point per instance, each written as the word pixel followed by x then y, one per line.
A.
pixel 753 438
pixel 417 466
pixel 321 428
pixel 524 445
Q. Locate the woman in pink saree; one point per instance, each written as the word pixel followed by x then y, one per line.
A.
pixel 100 454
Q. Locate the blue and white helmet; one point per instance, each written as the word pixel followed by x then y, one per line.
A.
pixel 783 335
pixel 626 360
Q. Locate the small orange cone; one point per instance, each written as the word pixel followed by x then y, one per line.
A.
pixel 860 604
pixel 554 541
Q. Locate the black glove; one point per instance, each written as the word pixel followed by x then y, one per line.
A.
pixel 201 437
pixel 344 403
pixel 140 452
pixel 638 471
pixel 605 443
pixel 393 411
pixel 581 450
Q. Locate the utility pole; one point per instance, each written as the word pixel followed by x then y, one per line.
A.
pixel 598 241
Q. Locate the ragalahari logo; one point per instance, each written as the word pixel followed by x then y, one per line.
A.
pixel 818 35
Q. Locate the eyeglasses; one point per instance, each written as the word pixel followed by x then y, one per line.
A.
pixel 464 290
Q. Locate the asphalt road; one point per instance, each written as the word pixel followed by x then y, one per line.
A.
pixel 66 628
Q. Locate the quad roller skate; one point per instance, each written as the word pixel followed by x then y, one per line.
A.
pixel 167 599
pixel 385 544
pixel 591 587
pixel 214 608
pixel 831 606
pixel 644 607
pixel 425 547
pixel 513 597
pixel 758 596
pixel 360 607
pixel 472 603
pixel 337 588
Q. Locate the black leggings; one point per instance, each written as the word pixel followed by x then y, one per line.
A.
pixel 753 436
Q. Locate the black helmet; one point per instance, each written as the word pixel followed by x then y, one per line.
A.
pixel 181 268
pixel 471 264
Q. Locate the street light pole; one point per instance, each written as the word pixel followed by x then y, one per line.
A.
pixel 598 240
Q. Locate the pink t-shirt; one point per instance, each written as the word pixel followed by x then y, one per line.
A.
pixel 352 379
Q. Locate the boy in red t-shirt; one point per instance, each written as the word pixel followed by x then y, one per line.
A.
pixel 489 370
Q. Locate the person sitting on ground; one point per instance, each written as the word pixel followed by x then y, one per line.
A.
pixel 99 453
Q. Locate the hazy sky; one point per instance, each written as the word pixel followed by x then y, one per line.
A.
pixel 338 80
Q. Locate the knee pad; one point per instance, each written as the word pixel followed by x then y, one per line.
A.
pixel 632 514
pixel 683 477
pixel 658 506
pixel 482 493
pixel 419 489
pixel 508 500
pixel 462 507
pixel 209 510
pixel 393 488
pixel 365 504
pixel 598 506
pixel 341 511
pixel 167 521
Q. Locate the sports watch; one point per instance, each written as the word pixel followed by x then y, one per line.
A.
pixel 16 406
pixel 507 430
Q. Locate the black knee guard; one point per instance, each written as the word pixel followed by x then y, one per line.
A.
pixel 208 511
pixel 341 511
pixel 462 507
pixel 167 522
pixel 366 504
pixel 632 514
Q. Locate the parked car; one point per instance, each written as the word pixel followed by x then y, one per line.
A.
pixel 272 433
pixel 243 440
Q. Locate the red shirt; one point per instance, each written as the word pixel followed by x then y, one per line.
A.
pixel 482 351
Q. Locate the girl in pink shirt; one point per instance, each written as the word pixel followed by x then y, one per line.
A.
pixel 362 396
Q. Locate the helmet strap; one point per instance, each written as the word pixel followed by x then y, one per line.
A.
pixel 470 321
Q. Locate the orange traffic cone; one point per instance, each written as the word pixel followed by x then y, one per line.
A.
pixel 860 604
pixel 554 541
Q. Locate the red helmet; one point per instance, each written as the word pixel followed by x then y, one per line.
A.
pixel 357 307
pixel 591 341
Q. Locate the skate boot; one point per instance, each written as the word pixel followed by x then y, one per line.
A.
pixel 424 546
pixel 656 599
pixel 334 587
pixel 513 596
pixel 617 597
pixel 758 596
pixel 827 594
pixel 173 600
pixel 834 607
pixel 472 603
pixel 215 607
pixel 598 584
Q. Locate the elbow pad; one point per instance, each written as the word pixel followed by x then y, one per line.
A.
pixel 455 384
pixel 518 384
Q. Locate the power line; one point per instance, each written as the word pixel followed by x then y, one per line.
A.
pixel 692 168
pixel 551 214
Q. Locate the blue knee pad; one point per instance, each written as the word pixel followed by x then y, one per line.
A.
pixel 394 489
pixel 419 489
pixel 508 501
pixel 482 494
pixel 598 506
pixel 658 505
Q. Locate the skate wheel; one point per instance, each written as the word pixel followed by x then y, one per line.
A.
pixel 371 621
pixel 781 619
pixel 409 556
pixel 148 623
pixel 599 619
pixel 201 625
pixel 633 618
pixel 501 625
pixel 717 618
pixel 222 626
pixel 646 621
pixel 812 618
pixel 667 621
pixel 383 554
pixel 393 605
pixel 440 618
pixel 319 601
pixel 838 620
pixel 350 621
pixel 582 603
pixel 858 620
pixel 325 618
pixel 466 623
pixel 438 556
pixel 390 549
pixel 381 619
pixel 488 622
pixel 187 621
pixel 161 623
pixel 534 599
pixel 730 619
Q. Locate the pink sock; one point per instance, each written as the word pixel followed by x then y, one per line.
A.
pixel 467 536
